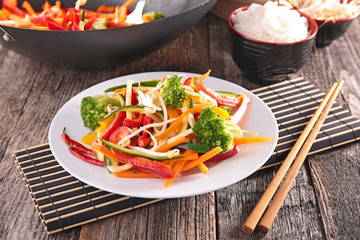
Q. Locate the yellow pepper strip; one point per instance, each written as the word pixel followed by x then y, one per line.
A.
pixel 89 138
pixel 203 77
pixel 222 113
pixel 172 113
pixel 191 164
pixel 203 168
pixel 247 140
pixel 105 123
pixel 178 121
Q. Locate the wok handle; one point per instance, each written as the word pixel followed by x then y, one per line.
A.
pixel 7 37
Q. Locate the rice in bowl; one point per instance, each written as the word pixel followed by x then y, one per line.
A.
pixel 271 23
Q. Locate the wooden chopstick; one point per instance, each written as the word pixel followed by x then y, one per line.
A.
pixel 261 206
pixel 279 198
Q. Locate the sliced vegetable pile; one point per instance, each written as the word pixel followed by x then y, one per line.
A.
pixel 56 17
pixel 329 10
pixel 161 128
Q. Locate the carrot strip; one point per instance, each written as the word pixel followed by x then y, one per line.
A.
pixel 107 153
pixel 203 168
pixel 28 8
pixel 122 17
pixel 202 158
pixel 176 170
pixel 189 157
pixel 172 144
pixel 3 16
pixel 247 140
pixel 127 3
pixel 203 77
pixel 107 9
pixel 130 174
pixel 176 123
pixel 46 6
pixel 58 3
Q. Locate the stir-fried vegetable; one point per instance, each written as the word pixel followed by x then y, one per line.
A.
pixel 93 108
pixel 174 127
pixel 172 92
pixel 329 10
pixel 56 17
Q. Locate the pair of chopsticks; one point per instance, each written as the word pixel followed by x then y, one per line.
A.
pixel 299 152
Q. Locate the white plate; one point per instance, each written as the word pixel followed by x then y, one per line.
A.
pixel 259 119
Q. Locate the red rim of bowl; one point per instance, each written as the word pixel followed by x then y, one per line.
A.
pixel 312 26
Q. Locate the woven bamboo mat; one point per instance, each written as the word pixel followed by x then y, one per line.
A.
pixel 64 202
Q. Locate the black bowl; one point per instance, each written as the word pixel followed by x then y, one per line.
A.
pixel 109 47
pixel 332 30
pixel 267 62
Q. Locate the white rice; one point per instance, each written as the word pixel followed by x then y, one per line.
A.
pixel 271 23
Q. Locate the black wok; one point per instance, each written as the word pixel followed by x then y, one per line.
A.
pixel 109 47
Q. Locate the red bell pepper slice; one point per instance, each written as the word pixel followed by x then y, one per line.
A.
pixel 116 123
pixel 196 116
pixel 147 120
pixel 158 168
pixel 75 15
pixel 56 27
pixel 187 81
pixel 221 157
pixel 66 20
pixel 75 27
pixel 89 24
pixel 13 9
pixel 134 100
pixel 133 123
pixel 39 20
pixel 221 99
pixel 143 141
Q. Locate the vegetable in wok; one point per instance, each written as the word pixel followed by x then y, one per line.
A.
pixel 57 18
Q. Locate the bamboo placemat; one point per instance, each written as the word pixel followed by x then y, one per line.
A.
pixel 64 202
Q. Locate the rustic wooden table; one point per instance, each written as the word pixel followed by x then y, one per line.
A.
pixel 324 201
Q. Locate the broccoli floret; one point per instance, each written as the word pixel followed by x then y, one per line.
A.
pixel 172 92
pixel 154 15
pixel 93 108
pixel 214 131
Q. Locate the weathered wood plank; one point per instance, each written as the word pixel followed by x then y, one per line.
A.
pixel 185 218
pixel 28 90
pixel 236 202
pixel 336 173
